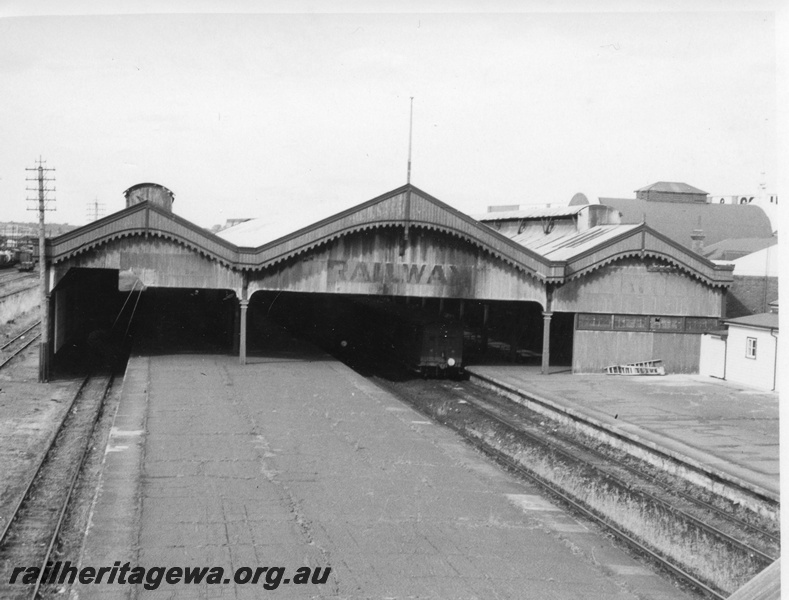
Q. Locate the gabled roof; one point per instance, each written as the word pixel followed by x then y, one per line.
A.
pixel 406 206
pixel 672 187
pixel 553 259
pixel 143 219
pixel 592 248
pixel 599 246
pixel 762 321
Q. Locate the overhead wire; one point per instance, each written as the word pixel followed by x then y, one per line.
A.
pixel 120 312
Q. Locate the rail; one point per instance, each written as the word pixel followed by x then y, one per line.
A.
pixel 767 557
pixel 17 292
pixel 45 494
pixel 741 539
pixel 21 345
pixel 6 278
pixel 737 490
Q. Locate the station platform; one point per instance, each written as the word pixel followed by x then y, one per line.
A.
pixel 728 429
pixel 295 460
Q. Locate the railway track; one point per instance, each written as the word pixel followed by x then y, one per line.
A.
pixel 10 277
pixel 631 475
pixel 15 346
pixel 30 532
pixel 14 290
pixel 704 522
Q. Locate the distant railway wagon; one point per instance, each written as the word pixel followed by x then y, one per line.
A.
pixel 8 258
pixel 427 344
pixel 26 260
pixel 432 347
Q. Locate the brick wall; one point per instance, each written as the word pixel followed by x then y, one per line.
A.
pixel 750 295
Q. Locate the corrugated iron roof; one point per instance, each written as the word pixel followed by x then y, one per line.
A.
pixel 762 320
pixel 672 187
pixel 260 231
pixel 565 243
pixel 529 212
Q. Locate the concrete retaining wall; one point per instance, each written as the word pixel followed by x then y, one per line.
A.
pixel 695 470
pixel 15 303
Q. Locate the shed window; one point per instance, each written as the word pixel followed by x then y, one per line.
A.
pixel 631 322
pixel 589 321
pixel 666 324
pixel 701 324
pixel 750 347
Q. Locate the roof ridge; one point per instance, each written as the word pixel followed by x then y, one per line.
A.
pixel 674 187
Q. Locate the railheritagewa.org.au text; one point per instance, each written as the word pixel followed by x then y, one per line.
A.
pixel 270 578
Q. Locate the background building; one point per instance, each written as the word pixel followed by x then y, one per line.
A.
pixel 745 352
pixel 684 214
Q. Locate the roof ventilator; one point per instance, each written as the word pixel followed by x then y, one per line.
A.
pixel 547 225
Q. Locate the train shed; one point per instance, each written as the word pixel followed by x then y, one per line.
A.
pixel 570 286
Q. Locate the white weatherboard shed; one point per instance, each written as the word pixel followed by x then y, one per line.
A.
pixel 752 351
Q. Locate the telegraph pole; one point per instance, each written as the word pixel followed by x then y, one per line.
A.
pixel 95 210
pixel 407 208
pixel 410 137
pixel 43 292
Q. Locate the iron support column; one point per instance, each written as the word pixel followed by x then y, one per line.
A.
pixel 485 314
pixel 546 342
pixel 236 328
pixel 242 346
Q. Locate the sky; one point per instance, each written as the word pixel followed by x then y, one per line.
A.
pixel 257 112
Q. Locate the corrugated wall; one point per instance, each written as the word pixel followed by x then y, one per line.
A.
pixel 595 350
pixel 158 262
pixel 432 265
pixel 630 287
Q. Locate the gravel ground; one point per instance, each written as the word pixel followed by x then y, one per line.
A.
pixel 29 414
pixel 17 284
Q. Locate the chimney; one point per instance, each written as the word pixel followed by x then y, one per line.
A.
pixel 698 238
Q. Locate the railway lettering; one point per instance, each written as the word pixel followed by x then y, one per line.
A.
pixel 389 273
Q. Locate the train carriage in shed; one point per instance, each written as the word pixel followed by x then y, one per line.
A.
pixel 428 344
